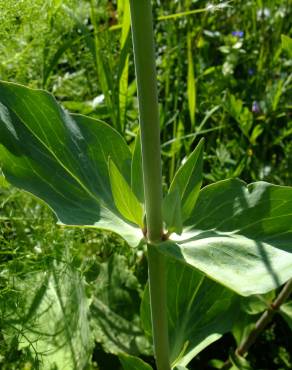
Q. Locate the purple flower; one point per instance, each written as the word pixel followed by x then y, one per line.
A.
pixel 255 107
pixel 250 72
pixel 239 34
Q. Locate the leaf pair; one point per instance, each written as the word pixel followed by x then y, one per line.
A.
pixel 237 235
pixel 64 160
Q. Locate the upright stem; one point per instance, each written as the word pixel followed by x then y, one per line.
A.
pixel 142 33
pixel 157 284
pixel 143 42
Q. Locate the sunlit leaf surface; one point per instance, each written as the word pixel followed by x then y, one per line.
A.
pixel 62 159
pixel 240 236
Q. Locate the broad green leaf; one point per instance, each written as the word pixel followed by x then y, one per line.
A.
pixel 188 180
pixel 172 212
pixel 286 313
pixel 133 363
pixel 115 309
pixel 125 200
pixel 200 311
pixel 180 368
pixel 239 235
pixel 55 324
pixel 62 159
pixel 136 170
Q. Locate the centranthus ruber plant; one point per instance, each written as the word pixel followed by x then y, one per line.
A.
pixel 206 247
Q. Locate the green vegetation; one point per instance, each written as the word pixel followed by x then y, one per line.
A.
pixel 78 298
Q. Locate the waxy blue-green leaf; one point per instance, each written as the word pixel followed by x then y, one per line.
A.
pixel 188 180
pixel 125 200
pixel 171 210
pixel 62 159
pixel 199 311
pixel 238 235
pixel 133 363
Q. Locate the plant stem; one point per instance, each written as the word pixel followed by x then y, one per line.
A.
pixel 157 283
pixel 143 42
pixel 262 322
pixel 142 33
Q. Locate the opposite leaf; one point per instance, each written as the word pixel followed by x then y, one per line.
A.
pixel 240 236
pixel 62 159
pixel 188 180
pixel 125 200
pixel 172 212
pixel 133 363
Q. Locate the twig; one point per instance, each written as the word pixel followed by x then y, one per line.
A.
pixel 262 323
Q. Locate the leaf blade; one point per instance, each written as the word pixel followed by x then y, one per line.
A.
pixel 60 158
pixel 199 310
pixel 239 234
pixel 171 210
pixel 125 200
pixel 188 180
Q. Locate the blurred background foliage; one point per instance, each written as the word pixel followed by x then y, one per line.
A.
pixel 222 74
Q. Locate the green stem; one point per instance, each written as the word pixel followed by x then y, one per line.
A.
pixel 143 42
pixel 157 283
pixel 142 33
